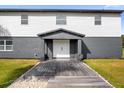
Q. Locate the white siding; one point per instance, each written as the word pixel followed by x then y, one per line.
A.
pixel 78 22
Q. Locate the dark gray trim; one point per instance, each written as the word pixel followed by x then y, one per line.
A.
pixel 19 37
pixel 60 30
pixel 61 34
pixel 38 37
pixel 62 10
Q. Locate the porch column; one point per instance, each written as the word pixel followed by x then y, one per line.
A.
pixel 79 49
pixel 50 48
pixel 45 49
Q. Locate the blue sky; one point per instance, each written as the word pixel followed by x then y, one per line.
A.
pixel 98 7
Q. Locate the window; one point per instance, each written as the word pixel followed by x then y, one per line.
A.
pixel 1 45
pixel 24 19
pixel 98 20
pixel 6 45
pixel 60 20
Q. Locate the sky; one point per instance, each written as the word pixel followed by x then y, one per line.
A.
pixel 76 7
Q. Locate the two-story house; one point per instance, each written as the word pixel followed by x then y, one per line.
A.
pixel 59 33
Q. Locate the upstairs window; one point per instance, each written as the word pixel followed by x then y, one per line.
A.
pixel 6 45
pixel 24 19
pixel 98 20
pixel 60 20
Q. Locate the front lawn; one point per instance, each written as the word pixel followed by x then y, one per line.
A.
pixel 11 69
pixel 123 53
pixel 111 69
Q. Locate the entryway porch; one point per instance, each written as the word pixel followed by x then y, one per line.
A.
pixel 62 44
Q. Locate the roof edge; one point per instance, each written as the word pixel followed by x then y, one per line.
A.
pixel 60 29
pixel 60 10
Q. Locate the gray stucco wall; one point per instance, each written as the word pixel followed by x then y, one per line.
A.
pixel 102 47
pixel 92 47
pixel 25 47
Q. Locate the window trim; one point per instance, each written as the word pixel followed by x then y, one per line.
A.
pixel 4 45
pixel 24 19
pixel 98 18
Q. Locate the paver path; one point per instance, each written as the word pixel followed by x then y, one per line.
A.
pixel 61 74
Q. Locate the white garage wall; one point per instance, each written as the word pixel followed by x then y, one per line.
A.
pixel 45 21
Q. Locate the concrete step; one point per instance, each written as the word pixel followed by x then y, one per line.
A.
pixel 75 77
pixel 77 82
pixel 78 85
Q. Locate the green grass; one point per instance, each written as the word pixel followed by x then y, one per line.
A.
pixel 111 69
pixel 11 69
pixel 123 53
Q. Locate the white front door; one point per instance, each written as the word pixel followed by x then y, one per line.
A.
pixel 61 48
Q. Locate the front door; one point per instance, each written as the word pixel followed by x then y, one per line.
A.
pixel 61 49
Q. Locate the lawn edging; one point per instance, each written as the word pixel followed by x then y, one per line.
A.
pixel 98 75
pixel 24 74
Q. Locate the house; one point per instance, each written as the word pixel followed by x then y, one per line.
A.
pixel 59 33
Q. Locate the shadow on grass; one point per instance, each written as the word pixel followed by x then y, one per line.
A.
pixel 14 75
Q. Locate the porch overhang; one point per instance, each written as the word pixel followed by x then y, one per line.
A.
pixel 61 34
